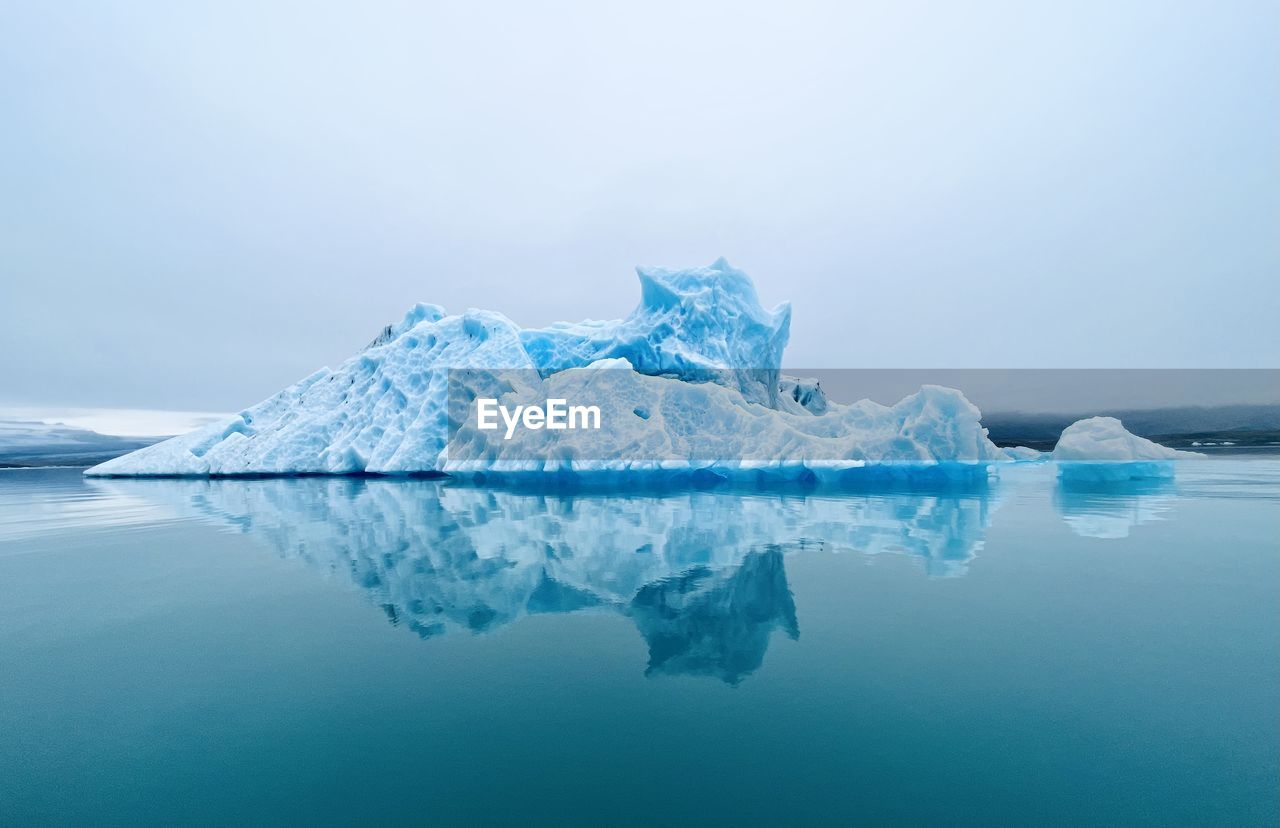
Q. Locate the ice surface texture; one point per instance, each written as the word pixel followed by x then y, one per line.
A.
pixel 669 406
pixel 688 322
pixel 662 426
pixel 384 409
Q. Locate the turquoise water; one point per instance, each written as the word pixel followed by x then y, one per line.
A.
pixel 330 650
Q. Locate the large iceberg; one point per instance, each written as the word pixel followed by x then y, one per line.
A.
pixel 688 383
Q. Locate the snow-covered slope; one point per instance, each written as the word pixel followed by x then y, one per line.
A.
pixel 659 375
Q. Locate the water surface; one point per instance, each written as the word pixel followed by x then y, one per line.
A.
pixel 337 649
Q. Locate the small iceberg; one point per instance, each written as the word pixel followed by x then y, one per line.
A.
pixel 1101 450
pixel 1023 454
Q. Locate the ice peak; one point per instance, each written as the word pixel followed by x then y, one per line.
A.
pixel 420 312
pixel 718 291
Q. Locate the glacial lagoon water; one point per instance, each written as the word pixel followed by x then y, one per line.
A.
pixel 318 650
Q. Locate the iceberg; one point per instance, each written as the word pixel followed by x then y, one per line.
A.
pixel 1023 454
pixel 1100 449
pixel 689 384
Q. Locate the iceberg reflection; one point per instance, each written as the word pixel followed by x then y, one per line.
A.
pixel 701 573
pixel 1112 508
pixel 716 622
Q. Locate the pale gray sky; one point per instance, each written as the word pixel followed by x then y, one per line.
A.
pixel 201 203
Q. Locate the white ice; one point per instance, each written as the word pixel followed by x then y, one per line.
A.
pixel 1101 449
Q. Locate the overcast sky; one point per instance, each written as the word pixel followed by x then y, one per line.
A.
pixel 199 206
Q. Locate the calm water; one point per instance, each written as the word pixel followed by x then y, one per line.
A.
pixel 331 650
